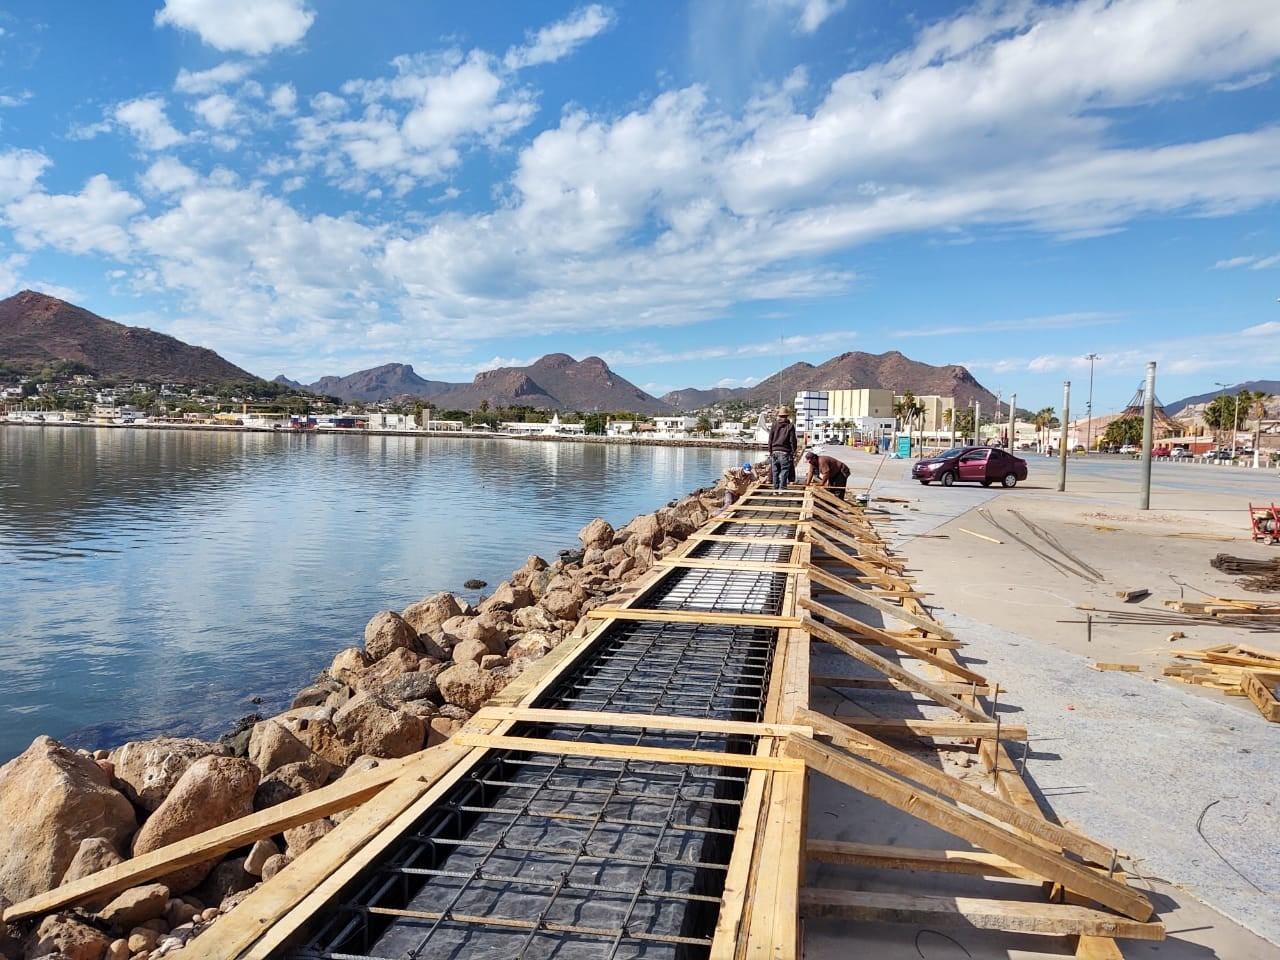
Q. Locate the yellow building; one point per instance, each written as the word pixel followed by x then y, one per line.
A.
pixel 934 422
pixel 853 404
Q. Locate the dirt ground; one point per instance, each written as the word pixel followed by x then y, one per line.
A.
pixel 1180 777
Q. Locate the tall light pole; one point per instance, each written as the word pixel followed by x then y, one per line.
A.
pixel 1013 422
pixel 1088 407
pixel 1062 439
pixel 1148 428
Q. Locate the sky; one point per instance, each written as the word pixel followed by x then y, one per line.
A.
pixel 697 192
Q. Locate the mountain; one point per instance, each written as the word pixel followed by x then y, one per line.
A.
pixel 286 382
pixel 37 329
pixel 890 371
pixel 556 382
pixel 380 383
pixel 1266 386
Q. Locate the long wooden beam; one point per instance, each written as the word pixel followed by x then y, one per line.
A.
pixel 617 751
pixel 752 566
pixel 644 721
pixel 341 795
pixel 878 683
pixel 1008 916
pixel 890 669
pixel 919 727
pixel 884 638
pixel 875 600
pixel 960 791
pixel 868 570
pixel 976 863
pixel 709 617
pixel 994 838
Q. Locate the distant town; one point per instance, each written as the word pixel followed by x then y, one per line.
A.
pixel 1229 426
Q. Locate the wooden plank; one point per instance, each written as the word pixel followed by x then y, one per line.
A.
pixel 615 751
pixel 738 874
pixel 891 669
pixel 740 507
pixel 876 683
pixel 341 795
pixel 977 863
pixel 867 569
pixel 911 726
pixel 1097 948
pixel 884 638
pixel 989 836
pixel 980 536
pixel 1102 666
pixel 267 908
pixel 645 721
pixel 884 606
pixel 1257 687
pixel 761 566
pixel 695 616
pixel 1008 916
pixel 1032 824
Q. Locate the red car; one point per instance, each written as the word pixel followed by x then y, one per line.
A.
pixel 984 465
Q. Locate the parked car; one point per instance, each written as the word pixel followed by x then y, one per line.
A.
pixel 1129 448
pixel 984 465
pixel 1180 453
pixel 1078 448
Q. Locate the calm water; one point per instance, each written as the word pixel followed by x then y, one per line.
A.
pixel 156 582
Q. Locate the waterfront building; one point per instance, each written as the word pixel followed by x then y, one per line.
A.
pixel 675 428
pixel 392 421
pixel 934 424
pixel 859 415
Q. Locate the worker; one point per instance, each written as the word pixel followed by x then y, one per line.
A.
pixel 827 472
pixel 782 449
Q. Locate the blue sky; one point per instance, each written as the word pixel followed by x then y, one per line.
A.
pixel 698 192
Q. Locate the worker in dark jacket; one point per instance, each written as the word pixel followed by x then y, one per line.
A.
pixel 782 449
pixel 827 472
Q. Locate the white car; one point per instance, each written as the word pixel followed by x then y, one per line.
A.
pixel 1129 448
pixel 1180 453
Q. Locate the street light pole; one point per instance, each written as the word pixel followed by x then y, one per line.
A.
pixel 1148 428
pixel 1062 439
pixel 1088 407
pixel 1013 421
pixel 1218 383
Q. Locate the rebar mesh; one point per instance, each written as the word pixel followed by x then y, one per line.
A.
pixel 728 591
pixel 748 552
pixel 772 530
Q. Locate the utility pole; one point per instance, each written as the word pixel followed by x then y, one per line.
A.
pixel 1013 421
pixel 1219 383
pixel 977 418
pixel 1148 428
pixel 1062 438
pixel 1088 407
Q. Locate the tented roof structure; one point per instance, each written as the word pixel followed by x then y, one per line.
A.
pixel 1162 422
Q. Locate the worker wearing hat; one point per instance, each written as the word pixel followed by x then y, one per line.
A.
pixel 827 472
pixel 782 449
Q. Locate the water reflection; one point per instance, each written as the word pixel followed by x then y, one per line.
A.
pixel 155 582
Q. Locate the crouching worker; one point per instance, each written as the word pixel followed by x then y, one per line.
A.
pixel 827 472
pixel 736 483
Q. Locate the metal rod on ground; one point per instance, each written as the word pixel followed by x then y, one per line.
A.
pixel 1062 438
pixel 1148 420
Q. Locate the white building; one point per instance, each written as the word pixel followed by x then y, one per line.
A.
pixel 551 427
pixel 675 428
pixel 620 428
pixel 392 421
pixel 812 407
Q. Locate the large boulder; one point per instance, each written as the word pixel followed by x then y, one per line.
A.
pixel 135 906
pixel 371 725
pixel 472 650
pixel 292 780
pixel 272 745
pixel 488 628
pixel 228 877
pixel 508 596
pixel 348 664
pixel 562 604
pixel 534 618
pixel 644 529
pixel 148 769
pixel 420 685
pixel 531 566
pixel 398 662
pixel 94 854
pixel 66 938
pixel 51 798
pixel 388 631
pixel 598 534
pixel 533 645
pixel 467 686
pixel 425 616
pixel 213 791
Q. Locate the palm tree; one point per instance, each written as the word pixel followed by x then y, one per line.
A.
pixel 1043 420
pixel 949 421
pixel 1258 410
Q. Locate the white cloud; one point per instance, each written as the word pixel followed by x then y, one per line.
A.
pixel 245 26
pixel 146 120
pixel 811 13
pixel 1252 261
pixel 90 221
pixel 284 99
pixel 1244 83
pixel 19 172
pixel 201 82
pixel 645 354
pixel 1266 262
pixel 1061 321
pixel 168 175
pixel 217 110
pixel 557 40
pixel 415 125
pixel 14 100
pixel 1268 329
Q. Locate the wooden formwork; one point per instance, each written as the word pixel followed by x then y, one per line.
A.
pixel 835 548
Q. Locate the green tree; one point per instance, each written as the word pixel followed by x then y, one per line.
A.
pixel 1123 430
pixel 594 423
pixel 703 426
pixel 1044 420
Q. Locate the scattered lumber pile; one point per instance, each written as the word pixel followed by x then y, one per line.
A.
pixel 1261 576
pixel 1238 670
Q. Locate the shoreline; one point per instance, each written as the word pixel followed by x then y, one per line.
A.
pixel 416 678
pixel 461 434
